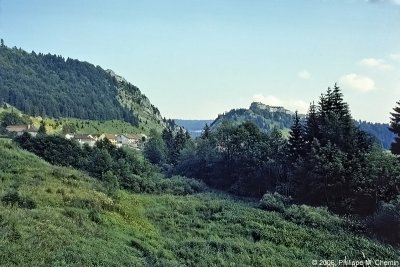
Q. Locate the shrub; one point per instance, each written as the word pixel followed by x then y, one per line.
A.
pixel 75 214
pixel 14 198
pixel 27 203
pixel 313 217
pixel 274 202
pixel 11 198
pixel 386 222
pixel 179 185
pixel 94 216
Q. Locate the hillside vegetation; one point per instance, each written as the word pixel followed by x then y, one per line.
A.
pixel 51 86
pixel 61 217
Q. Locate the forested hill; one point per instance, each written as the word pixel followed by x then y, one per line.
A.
pixel 50 85
pixel 384 137
pixel 264 116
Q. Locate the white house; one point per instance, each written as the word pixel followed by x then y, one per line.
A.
pixel 69 136
pixel 84 139
pixel 132 140
pixel 20 129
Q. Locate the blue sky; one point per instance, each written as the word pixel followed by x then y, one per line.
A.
pixel 197 58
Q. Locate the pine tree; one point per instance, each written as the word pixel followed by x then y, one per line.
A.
pixel 311 130
pixel 325 103
pixel 296 139
pixel 338 106
pixel 395 128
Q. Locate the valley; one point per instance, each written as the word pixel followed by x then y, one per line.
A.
pixel 91 174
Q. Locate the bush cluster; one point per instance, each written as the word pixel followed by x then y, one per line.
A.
pixel 14 198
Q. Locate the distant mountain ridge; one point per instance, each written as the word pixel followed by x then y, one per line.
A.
pixel 380 131
pixel 51 86
pixel 194 127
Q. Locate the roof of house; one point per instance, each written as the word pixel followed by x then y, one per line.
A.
pixel 133 136
pixel 21 128
pixel 83 137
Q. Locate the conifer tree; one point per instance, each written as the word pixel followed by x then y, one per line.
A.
pixel 296 139
pixel 311 130
pixel 338 106
pixel 395 128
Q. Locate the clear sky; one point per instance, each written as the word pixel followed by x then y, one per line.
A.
pixel 197 58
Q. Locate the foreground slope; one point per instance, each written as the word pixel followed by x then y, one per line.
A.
pixel 52 216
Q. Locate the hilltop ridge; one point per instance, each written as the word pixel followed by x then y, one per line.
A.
pixel 264 116
pixel 262 106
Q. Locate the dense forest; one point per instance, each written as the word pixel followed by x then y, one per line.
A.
pixel 51 86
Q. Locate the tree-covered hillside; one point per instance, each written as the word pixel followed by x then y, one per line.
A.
pixel 380 131
pixel 52 86
pixel 265 117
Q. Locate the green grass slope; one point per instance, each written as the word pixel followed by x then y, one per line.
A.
pixel 55 125
pixel 52 216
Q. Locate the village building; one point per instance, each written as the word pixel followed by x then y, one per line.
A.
pixel 111 137
pixel 132 140
pixel 20 129
pixel 83 139
pixel 69 136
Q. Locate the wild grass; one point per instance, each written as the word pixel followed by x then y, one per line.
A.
pixel 54 126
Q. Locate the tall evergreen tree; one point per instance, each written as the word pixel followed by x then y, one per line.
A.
pixel 338 106
pixel 296 139
pixel 311 130
pixel 395 128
